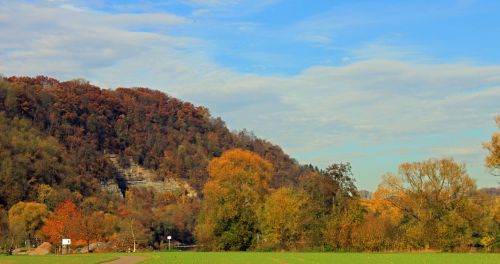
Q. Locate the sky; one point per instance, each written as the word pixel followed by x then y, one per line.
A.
pixel 374 83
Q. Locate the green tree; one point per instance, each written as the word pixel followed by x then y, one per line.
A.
pixel 342 174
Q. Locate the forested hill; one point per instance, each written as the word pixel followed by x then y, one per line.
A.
pixel 59 133
pixel 61 143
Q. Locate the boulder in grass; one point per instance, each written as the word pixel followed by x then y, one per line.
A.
pixel 43 249
pixel 99 246
pixel 19 251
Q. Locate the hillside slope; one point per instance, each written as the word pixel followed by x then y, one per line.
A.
pixel 172 138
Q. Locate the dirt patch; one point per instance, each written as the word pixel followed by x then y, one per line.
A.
pixel 127 260
pixel 279 261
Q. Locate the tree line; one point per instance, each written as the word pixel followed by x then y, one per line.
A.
pixel 427 205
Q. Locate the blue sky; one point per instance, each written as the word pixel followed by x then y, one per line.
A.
pixel 376 83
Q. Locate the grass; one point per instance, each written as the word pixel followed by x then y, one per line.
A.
pixel 335 258
pixel 59 259
pixel 271 258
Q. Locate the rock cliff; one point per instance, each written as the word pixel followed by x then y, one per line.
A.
pixel 137 176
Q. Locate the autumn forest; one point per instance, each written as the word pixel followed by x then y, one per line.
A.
pixel 129 167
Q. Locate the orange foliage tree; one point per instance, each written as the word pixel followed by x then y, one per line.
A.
pixel 379 230
pixel 65 222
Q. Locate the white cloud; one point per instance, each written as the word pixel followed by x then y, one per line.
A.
pixel 230 3
pixel 57 41
pixel 226 8
pixel 72 8
pixel 212 2
pixel 383 50
pixel 316 39
pixel 365 103
pixel 472 149
pixel 384 99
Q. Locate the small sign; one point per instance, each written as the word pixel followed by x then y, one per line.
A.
pixel 66 241
pixel 169 237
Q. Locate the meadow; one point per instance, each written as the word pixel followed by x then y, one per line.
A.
pixel 266 257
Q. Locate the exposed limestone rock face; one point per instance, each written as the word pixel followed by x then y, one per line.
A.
pixel 112 187
pixel 138 176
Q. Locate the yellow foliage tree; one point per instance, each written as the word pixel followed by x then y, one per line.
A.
pixel 340 225
pixel 379 230
pixel 233 195
pixel 376 233
pixel 493 159
pixel 381 205
pixel 26 219
pixel 284 219
pixel 439 201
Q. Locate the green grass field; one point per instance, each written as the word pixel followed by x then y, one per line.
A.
pixel 58 259
pixel 272 257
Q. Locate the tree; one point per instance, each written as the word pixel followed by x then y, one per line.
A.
pixel 131 233
pixel 438 201
pixel 177 220
pixel 341 223
pixel 285 218
pixel 493 158
pixel 380 227
pixel 238 183
pixel 92 228
pixel 25 220
pixel 341 173
pixel 93 217
pixel 375 233
pixel 339 198
pixel 28 159
pixel 65 222
pixel 6 241
pixel 321 188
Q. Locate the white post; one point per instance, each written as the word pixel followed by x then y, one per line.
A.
pixel 169 237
